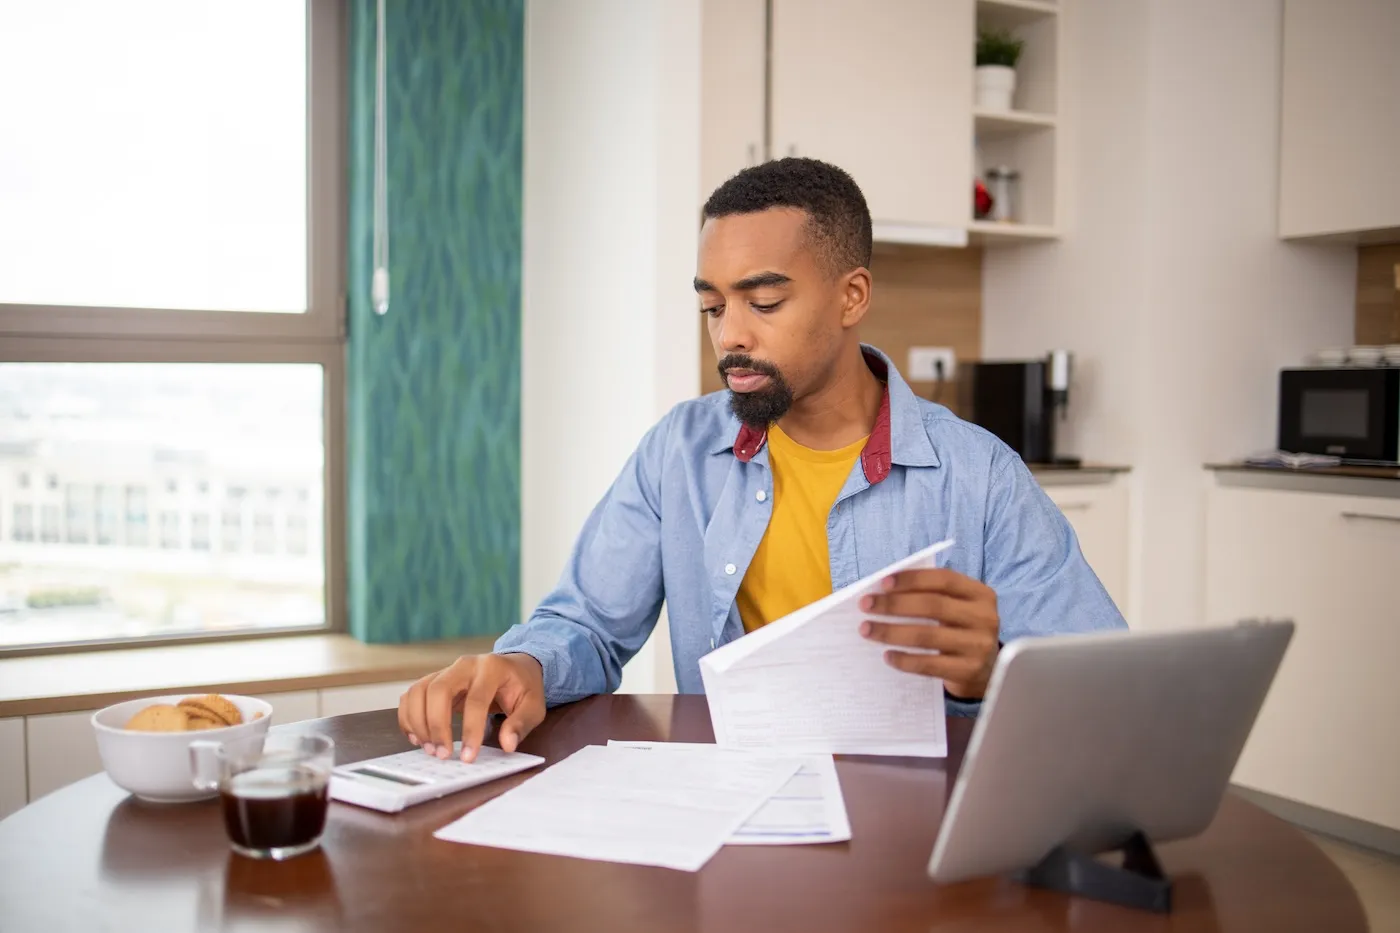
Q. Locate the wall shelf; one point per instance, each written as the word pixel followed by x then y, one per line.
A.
pixel 989 123
pixel 995 233
pixel 1013 14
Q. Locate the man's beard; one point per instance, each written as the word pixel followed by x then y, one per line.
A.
pixel 764 406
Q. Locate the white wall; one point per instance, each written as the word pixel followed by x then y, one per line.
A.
pixel 609 337
pixel 1170 284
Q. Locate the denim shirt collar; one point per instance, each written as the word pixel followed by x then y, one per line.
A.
pixel 898 435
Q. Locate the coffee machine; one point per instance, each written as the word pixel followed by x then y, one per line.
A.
pixel 1020 400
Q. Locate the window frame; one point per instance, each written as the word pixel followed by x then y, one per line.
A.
pixel 69 334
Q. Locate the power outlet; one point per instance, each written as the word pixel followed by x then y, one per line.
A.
pixel 923 363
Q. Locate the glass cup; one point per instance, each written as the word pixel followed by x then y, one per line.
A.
pixel 273 790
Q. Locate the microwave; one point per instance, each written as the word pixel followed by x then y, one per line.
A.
pixel 1353 414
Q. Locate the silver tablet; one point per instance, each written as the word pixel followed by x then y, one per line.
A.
pixel 1085 741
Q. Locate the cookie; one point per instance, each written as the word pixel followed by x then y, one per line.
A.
pixel 199 723
pixel 159 718
pixel 213 706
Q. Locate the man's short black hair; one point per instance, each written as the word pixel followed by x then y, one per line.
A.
pixel 839 221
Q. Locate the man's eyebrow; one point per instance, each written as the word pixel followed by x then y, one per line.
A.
pixel 761 280
pixel 702 286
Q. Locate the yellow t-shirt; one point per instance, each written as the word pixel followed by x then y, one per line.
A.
pixel 791 567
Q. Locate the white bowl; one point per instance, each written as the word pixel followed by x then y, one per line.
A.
pixel 1364 356
pixel 1332 356
pixel 155 766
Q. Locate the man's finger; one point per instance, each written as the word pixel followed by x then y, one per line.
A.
pixel 948 667
pixel 925 605
pixel 925 635
pixel 413 709
pixel 935 580
pixel 477 708
pixel 521 721
pixel 442 694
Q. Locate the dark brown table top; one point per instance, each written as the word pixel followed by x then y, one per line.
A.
pixel 89 857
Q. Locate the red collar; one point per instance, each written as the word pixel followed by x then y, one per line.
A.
pixel 874 457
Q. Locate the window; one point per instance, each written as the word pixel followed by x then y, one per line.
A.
pixel 22 528
pixel 78 519
pixel 264 539
pixel 232 534
pixel 48 524
pixel 136 520
pixel 171 324
pixel 108 514
pixel 296 534
pixel 199 532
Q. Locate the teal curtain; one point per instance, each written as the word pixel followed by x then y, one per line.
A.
pixel 433 402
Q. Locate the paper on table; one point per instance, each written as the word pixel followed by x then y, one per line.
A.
pixel 645 806
pixel 807 809
pixel 809 683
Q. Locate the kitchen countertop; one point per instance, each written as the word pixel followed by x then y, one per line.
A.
pixel 68 682
pixel 1355 472
pixel 1086 469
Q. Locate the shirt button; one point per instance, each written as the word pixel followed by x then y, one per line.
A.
pixel 729 569
pixel 761 496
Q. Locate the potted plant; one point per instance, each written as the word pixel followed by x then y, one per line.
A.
pixel 997 53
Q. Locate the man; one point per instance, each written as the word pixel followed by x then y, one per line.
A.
pixel 819 466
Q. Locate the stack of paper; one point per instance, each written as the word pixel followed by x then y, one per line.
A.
pixel 807 809
pixel 649 805
pixel 809 683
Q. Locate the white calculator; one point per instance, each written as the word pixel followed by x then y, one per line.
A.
pixel 397 781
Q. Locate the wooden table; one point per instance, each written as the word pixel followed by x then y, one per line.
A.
pixel 90 858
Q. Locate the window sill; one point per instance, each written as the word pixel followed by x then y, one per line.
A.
pixel 64 683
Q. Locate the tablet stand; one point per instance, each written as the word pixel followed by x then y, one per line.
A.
pixel 1139 883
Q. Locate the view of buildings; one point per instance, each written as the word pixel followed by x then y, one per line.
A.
pixel 144 499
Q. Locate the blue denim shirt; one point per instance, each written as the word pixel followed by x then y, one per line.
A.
pixel 683 519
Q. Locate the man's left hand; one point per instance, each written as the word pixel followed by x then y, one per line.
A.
pixel 957 618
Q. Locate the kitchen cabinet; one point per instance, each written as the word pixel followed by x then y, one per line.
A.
pixel 1098 513
pixel 341 701
pixel 13 782
pixel 884 90
pixel 733 35
pixel 60 748
pixel 293 706
pixel 1340 125
pixel 1326 735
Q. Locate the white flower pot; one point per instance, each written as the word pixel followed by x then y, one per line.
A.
pixel 996 85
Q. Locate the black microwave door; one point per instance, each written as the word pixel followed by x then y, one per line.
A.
pixel 1348 413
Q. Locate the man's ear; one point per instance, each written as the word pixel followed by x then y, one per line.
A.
pixel 855 287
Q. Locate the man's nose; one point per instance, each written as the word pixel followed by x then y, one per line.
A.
pixel 735 334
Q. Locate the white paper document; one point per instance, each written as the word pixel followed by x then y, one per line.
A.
pixel 809 683
pixel 807 809
pixel 645 806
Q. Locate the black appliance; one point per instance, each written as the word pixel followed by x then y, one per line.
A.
pixel 1351 413
pixel 1018 402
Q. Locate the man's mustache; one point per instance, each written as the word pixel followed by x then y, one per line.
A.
pixel 744 361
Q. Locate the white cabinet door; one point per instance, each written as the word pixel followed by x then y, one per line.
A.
pixel 734 51
pixel 293 706
pixel 1340 122
pixel 882 88
pixel 1326 735
pixel 1098 513
pixel 60 748
pixel 13 793
pixel 340 701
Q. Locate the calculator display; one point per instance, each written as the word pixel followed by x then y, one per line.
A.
pixel 388 776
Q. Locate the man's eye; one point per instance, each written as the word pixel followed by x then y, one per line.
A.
pixel 712 312
pixel 765 308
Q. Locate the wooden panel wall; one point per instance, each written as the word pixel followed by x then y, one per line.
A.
pixel 921 297
pixel 1378 295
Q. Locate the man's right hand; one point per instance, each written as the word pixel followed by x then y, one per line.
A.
pixel 478 685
